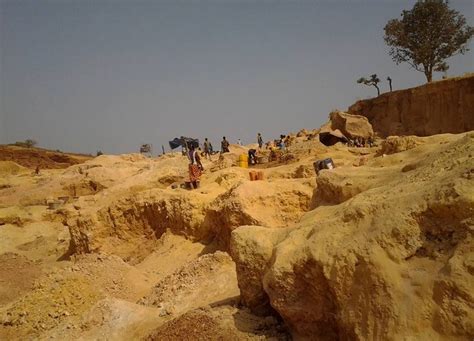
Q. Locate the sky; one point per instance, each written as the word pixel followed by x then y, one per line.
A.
pixel 84 76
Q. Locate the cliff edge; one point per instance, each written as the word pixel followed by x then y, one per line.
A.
pixel 445 106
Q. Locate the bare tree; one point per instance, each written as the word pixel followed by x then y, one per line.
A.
pixel 372 81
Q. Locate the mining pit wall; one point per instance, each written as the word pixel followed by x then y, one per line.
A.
pixel 445 106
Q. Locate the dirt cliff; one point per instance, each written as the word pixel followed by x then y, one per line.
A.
pixel 43 158
pixel 445 106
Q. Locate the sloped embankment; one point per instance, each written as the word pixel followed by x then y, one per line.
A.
pixel 43 158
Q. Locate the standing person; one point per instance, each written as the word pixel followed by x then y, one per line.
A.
pixel 259 140
pixel 281 143
pixel 224 145
pixel 195 166
pixel 207 148
pixel 239 142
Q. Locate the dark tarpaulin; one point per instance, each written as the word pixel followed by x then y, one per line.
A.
pixel 179 142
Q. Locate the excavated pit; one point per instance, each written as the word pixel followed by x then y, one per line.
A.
pixel 196 216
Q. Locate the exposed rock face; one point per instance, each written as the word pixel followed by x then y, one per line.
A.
pixel 440 107
pixel 251 248
pixel 120 225
pixel 391 262
pixel 275 204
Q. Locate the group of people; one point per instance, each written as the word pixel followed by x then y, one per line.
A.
pixel 361 142
pixel 196 168
pixel 280 143
pixel 195 165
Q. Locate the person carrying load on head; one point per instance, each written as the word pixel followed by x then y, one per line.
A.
pixel 195 166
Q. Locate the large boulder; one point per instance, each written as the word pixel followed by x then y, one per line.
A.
pixel 352 126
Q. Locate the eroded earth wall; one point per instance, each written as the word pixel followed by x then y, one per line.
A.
pixel 445 106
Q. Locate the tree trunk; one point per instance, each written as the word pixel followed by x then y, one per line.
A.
pixel 429 73
pixel 378 90
pixel 429 77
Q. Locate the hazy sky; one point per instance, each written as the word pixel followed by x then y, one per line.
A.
pixel 110 75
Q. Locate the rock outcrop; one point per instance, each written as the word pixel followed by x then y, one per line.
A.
pixel 118 226
pixel 391 262
pixel 445 106
pixel 276 204
pixel 251 248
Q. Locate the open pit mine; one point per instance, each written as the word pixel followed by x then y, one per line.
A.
pixel 375 245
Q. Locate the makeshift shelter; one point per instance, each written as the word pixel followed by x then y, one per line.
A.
pixel 183 142
pixel 331 137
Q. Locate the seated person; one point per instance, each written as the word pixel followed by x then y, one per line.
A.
pixel 252 156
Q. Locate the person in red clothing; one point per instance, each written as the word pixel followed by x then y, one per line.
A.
pixel 195 166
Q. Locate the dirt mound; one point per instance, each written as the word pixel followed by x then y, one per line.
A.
pixel 17 276
pixel 221 323
pixel 397 144
pixel 43 158
pixel 11 168
pixel 194 325
pixel 54 299
pixel 111 319
pixel 15 216
pixel 209 279
pixel 122 280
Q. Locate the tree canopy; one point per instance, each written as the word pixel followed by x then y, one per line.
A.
pixel 427 35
